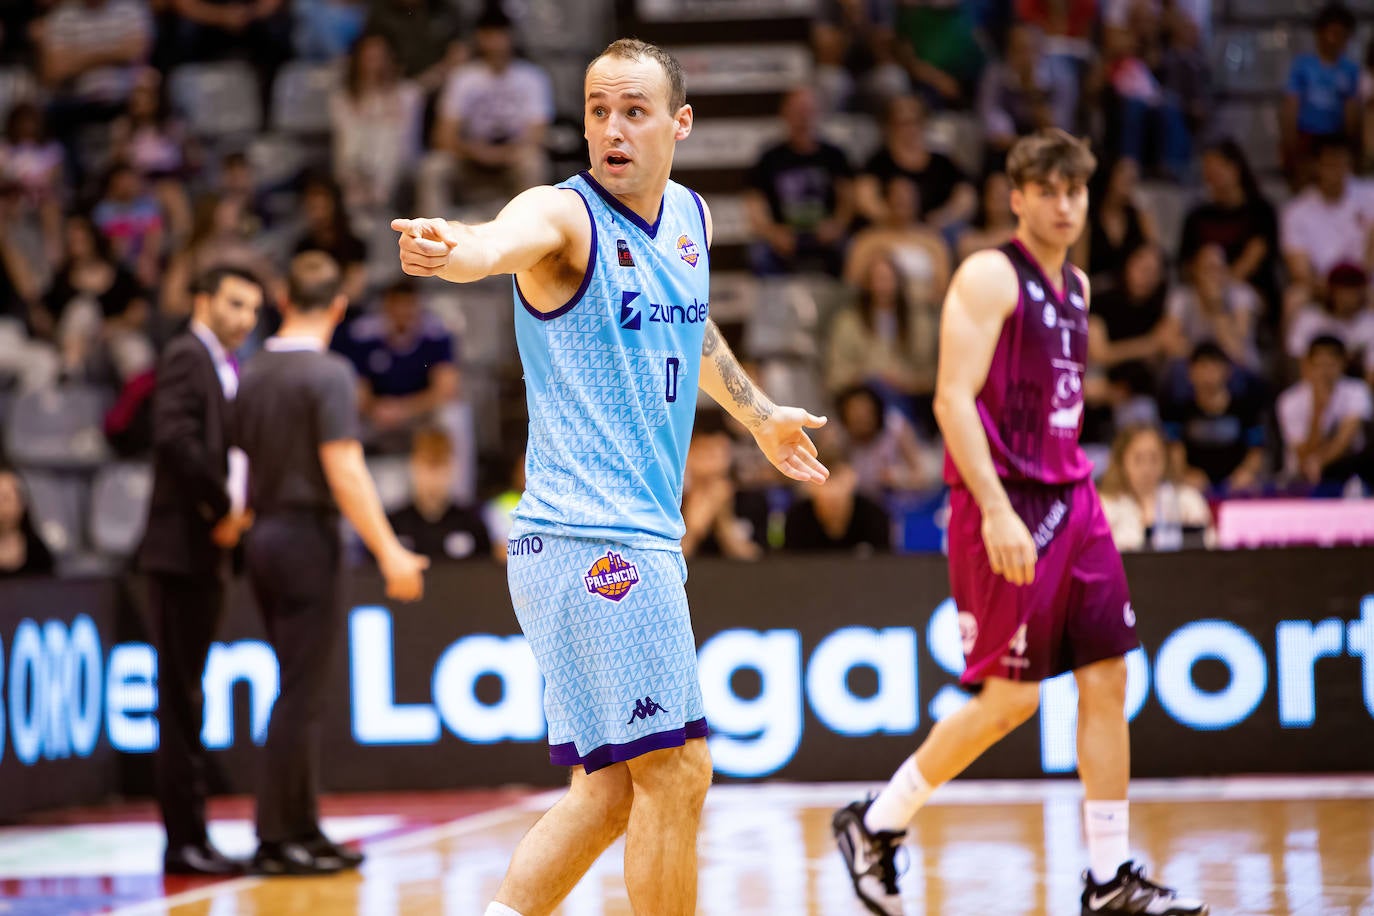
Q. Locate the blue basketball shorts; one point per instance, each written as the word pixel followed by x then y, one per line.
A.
pixel 611 634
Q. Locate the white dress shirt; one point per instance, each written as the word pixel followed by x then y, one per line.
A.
pixel 237 484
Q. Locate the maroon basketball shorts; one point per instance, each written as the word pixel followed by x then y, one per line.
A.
pixel 1078 609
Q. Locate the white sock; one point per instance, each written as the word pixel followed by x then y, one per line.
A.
pixel 1107 824
pixel 499 909
pixel 900 799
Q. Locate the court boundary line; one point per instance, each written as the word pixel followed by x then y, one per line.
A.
pixel 981 792
pixel 978 792
pixel 459 826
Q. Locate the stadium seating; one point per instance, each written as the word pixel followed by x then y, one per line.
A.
pixel 119 507
pixel 58 506
pixel 1251 60
pixel 58 427
pixel 300 97
pixel 217 100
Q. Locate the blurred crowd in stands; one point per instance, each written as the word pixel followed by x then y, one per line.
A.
pixel 1232 357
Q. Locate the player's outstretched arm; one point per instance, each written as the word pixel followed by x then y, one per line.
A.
pixel 535 224
pixel 779 431
pixel 981 296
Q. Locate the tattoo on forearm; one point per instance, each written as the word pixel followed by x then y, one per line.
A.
pixel 754 406
pixel 711 342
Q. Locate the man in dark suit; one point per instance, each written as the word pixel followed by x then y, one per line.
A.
pixel 196 515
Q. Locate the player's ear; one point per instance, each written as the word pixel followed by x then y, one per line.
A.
pixel 684 123
pixel 1017 199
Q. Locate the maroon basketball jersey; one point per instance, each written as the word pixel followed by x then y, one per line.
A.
pixel 1032 401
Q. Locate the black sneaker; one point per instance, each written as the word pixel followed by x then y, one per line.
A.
pixel 1130 892
pixel 870 857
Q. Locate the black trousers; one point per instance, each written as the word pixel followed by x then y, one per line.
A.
pixel 293 566
pixel 187 612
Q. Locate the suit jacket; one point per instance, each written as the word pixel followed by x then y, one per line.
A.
pixel 190 462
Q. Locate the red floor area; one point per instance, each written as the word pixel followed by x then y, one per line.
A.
pixel 49 894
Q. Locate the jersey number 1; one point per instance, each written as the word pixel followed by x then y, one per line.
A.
pixel 670 380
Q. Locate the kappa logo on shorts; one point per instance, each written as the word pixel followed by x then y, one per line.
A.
pixel 611 577
pixel 644 709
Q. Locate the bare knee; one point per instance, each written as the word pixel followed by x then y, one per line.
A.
pixel 1102 687
pixel 609 791
pixel 1009 704
pixel 683 772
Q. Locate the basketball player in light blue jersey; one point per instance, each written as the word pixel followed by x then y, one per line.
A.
pixel 612 319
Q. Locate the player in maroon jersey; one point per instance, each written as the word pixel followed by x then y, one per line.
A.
pixel 1038 582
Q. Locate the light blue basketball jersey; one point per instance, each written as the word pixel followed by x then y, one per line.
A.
pixel 611 377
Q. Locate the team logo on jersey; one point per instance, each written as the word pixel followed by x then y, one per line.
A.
pixel 1077 301
pixel 622 251
pixel 1050 316
pixel 1037 292
pixel 630 317
pixel 611 577
pixel 687 250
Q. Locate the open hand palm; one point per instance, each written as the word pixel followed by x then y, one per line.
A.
pixel 783 439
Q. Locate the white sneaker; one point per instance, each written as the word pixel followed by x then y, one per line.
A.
pixel 870 857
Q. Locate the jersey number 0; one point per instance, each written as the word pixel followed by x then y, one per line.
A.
pixel 670 379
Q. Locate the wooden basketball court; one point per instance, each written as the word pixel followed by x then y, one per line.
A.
pixel 1288 847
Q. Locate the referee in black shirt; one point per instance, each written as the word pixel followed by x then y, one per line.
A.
pixel 296 417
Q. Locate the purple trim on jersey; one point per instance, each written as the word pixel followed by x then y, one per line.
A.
pixel 1060 298
pixel 586 277
pixel 614 203
pixel 565 755
pixel 705 232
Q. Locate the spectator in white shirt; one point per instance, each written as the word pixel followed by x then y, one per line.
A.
pixel 1329 223
pixel 1143 505
pixel 1344 313
pixel 1322 418
pixel 376 119
pixel 490 122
